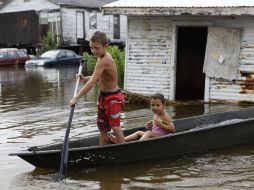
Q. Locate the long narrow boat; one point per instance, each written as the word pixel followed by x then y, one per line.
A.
pixel 194 134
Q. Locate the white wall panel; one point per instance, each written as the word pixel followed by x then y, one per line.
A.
pixel 148 55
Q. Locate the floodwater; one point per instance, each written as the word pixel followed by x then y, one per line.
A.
pixel 34 111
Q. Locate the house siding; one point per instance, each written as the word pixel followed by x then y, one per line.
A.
pixel 70 28
pixel 61 21
pixel 17 33
pixel 148 55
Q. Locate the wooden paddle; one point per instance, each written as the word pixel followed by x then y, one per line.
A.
pixel 65 148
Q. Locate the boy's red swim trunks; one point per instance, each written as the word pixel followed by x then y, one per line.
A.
pixel 110 105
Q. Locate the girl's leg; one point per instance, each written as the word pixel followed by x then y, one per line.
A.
pixel 135 136
pixel 149 134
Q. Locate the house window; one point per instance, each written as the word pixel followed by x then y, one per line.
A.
pixel 23 21
pixel 93 20
pixel 80 25
pixel 116 27
pixel 106 22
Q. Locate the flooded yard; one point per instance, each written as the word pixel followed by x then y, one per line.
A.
pixel 34 111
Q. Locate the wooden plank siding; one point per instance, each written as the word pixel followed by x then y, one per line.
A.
pixel 148 47
pixel 24 28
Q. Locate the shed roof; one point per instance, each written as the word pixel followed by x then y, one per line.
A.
pixel 182 3
pixel 181 7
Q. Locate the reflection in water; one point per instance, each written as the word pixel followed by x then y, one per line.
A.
pixel 34 110
pixel 224 169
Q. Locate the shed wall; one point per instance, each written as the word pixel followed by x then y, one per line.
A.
pixel 148 55
pixel 150 48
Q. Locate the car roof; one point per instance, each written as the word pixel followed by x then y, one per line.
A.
pixel 60 50
pixel 8 49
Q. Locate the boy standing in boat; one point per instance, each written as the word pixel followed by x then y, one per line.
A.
pixel 110 101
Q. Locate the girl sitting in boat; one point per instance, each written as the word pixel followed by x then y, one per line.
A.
pixel 160 125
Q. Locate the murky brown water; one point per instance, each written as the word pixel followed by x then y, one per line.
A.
pixel 34 111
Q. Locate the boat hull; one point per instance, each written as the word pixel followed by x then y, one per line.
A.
pixel 194 134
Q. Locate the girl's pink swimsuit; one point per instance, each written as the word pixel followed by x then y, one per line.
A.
pixel 158 129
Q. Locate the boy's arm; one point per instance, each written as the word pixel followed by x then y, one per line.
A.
pixel 86 79
pixel 83 79
pixel 90 83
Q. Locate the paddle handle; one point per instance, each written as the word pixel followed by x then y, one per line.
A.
pixel 78 79
pixel 65 148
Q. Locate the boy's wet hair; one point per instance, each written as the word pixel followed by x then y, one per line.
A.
pixel 158 96
pixel 99 37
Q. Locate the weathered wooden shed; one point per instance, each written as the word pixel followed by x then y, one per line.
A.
pixel 189 49
pixel 25 22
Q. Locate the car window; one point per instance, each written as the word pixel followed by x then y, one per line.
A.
pixel 3 55
pixel 50 54
pixel 21 54
pixel 62 54
pixel 70 54
pixel 11 54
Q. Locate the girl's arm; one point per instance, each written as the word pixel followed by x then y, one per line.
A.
pixel 149 125
pixel 166 125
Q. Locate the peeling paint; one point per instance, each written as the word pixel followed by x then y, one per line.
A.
pixel 149 46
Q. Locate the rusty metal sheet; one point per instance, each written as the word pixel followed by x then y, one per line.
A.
pixel 222 52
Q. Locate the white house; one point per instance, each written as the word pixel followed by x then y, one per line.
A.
pixel 24 22
pixel 189 49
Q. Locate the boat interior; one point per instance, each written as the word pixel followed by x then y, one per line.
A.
pixel 182 125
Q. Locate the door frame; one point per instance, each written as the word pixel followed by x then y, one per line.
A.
pixel 175 26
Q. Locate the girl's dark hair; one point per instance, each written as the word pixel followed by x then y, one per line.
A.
pixel 158 96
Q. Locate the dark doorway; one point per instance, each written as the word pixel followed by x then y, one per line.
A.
pixel 190 79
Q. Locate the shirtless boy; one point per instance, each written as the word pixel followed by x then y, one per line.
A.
pixel 110 101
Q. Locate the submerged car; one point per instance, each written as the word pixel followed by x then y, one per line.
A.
pixel 12 56
pixel 56 57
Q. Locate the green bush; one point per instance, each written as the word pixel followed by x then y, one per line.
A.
pixel 49 43
pixel 90 61
pixel 119 57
